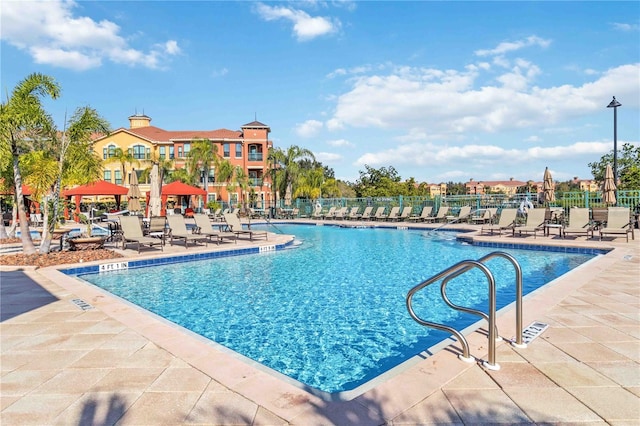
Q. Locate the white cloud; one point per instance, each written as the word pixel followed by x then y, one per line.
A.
pixel 305 27
pixel 626 27
pixel 328 157
pixel 507 47
pixel 51 33
pixel 340 143
pixel 309 128
pixel 220 73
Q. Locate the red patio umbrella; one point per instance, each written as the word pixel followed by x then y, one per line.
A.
pixel 181 189
pixel 100 187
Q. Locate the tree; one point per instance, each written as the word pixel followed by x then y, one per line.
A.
pixel 286 168
pixel 310 184
pixel 123 157
pixel 77 162
pixel 23 120
pixel 628 167
pixel 201 158
pixel 382 182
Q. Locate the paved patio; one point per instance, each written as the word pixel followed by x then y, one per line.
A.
pixel 117 364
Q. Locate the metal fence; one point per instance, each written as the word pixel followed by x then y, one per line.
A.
pixel 565 200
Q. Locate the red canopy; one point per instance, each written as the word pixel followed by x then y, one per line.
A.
pixel 179 188
pixel 26 190
pixel 100 187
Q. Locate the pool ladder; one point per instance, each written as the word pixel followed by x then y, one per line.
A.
pixel 457 270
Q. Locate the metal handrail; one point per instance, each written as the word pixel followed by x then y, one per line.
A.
pixel 461 267
pixel 519 342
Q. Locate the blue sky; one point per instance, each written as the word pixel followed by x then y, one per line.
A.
pixel 442 91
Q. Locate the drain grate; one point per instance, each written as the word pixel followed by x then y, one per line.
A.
pixel 81 304
pixel 532 331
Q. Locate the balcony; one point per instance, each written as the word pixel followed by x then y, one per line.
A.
pixel 255 181
pixel 255 156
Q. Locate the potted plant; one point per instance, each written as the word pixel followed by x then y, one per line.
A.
pixel 86 241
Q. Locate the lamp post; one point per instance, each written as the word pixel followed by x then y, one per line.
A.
pixel 615 104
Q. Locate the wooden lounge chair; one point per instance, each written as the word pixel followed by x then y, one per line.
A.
pixel 178 231
pixel 204 227
pixel 235 226
pixel 535 222
pixel 618 223
pixel 132 233
pixel 440 216
pixel 424 215
pixel 506 221
pixel 579 223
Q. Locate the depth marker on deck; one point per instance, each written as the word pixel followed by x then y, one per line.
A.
pixel 532 331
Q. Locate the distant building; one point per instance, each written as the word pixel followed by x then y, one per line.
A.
pixel 587 184
pixel 509 187
pixel 247 148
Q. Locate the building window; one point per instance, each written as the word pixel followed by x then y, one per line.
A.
pixel 162 152
pixel 118 177
pixel 171 153
pixel 108 152
pixel 107 175
pixel 238 150
pixel 139 152
pixel 226 150
pixel 179 151
pixel 187 148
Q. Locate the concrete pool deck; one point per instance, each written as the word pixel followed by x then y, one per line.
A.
pixel 118 364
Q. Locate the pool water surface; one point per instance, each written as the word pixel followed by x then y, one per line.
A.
pixel 331 312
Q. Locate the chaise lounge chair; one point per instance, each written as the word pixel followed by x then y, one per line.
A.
pixel 393 214
pixel 486 217
pixel 424 215
pixel 463 214
pixel 618 223
pixel 132 233
pixel 506 221
pixel 535 222
pixel 366 215
pixel 178 231
pixel 440 216
pixel 235 226
pixel 353 213
pixel 406 213
pixel 379 215
pixel 579 223
pixel 204 228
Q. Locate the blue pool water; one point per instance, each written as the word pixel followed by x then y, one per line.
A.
pixel 330 313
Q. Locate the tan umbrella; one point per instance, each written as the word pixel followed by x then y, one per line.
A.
pixel 609 187
pixel 548 187
pixel 134 193
pixel 155 202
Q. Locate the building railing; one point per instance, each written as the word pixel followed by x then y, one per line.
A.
pixel 255 156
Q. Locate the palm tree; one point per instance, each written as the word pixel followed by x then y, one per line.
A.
pixel 202 156
pixel 23 119
pixel 123 157
pixel 224 174
pixel 77 161
pixel 285 167
pixel 310 183
pixel 242 180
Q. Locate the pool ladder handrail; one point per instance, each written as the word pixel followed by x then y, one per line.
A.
pixel 457 270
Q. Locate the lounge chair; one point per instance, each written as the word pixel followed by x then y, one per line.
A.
pixel 317 213
pixel 487 216
pixel 353 213
pixel 341 213
pixel 406 213
pixel 379 214
pixel 330 213
pixel 440 216
pixel 424 215
pixel 463 213
pixel 132 233
pixel 204 228
pixel 535 222
pixel 157 228
pixel 506 221
pixel 178 231
pixel 366 214
pixel 618 223
pixel 394 214
pixel 579 223
pixel 235 226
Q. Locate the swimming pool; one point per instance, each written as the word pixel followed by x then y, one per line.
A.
pixel 330 314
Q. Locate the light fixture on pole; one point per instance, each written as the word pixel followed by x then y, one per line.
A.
pixel 615 104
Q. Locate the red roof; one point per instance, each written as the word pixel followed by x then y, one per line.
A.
pixel 100 187
pixel 179 188
pixel 26 190
pixel 159 135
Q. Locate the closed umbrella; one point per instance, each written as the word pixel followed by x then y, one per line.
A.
pixel 548 187
pixel 155 203
pixel 134 193
pixel 609 187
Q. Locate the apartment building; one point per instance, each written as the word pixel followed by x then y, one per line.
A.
pixel 247 148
